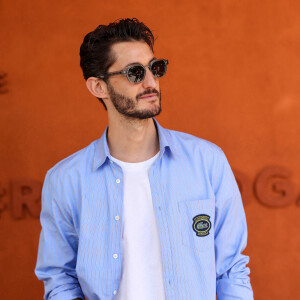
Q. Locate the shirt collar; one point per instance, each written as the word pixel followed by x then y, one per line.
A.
pixel 102 151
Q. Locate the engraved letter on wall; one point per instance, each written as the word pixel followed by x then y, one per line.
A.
pixel 3 83
pixel 273 187
pixel 244 184
pixel 26 197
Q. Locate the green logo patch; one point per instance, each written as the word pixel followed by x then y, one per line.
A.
pixel 201 225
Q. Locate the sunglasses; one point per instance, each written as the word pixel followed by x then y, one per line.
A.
pixel 136 73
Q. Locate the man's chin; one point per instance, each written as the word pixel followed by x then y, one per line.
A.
pixel 144 114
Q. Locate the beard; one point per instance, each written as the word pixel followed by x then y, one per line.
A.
pixel 127 106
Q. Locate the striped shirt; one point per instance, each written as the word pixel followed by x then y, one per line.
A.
pixel 198 209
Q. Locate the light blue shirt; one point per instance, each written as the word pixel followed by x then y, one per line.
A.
pixel 198 209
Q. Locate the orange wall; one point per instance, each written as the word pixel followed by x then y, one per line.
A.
pixel 233 79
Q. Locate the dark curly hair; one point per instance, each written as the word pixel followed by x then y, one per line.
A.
pixel 95 54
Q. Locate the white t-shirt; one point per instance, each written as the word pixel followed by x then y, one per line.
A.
pixel 142 275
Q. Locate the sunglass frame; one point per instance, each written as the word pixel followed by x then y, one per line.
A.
pixel 126 70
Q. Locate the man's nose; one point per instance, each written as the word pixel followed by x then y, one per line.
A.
pixel 149 81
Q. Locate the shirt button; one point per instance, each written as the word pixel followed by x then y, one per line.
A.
pixel 111 161
pixel 115 292
pixel 117 218
pixel 118 181
pixel 115 256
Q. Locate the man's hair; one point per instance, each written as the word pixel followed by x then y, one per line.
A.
pixel 95 51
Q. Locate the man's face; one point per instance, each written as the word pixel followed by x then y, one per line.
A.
pixel 140 100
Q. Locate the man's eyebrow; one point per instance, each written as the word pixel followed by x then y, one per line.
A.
pixel 134 63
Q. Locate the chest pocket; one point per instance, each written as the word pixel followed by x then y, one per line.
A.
pixel 197 226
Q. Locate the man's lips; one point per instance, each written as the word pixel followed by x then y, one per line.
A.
pixel 148 96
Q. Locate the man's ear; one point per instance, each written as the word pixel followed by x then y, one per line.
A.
pixel 97 87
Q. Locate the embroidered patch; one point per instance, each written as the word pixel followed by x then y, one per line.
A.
pixel 201 225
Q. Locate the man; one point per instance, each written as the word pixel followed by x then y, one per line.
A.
pixel 143 212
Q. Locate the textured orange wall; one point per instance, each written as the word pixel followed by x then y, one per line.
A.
pixel 233 79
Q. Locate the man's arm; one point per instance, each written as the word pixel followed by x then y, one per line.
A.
pixel 58 244
pixel 230 236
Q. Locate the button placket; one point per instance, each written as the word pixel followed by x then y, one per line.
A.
pixel 116 215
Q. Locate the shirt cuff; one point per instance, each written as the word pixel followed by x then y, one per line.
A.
pixel 68 294
pixel 234 289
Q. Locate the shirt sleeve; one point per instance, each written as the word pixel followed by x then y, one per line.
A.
pixel 58 245
pixel 232 275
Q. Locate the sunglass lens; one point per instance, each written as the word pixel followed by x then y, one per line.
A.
pixel 159 68
pixel 136 74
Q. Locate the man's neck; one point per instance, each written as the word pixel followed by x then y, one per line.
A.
pixel 132 140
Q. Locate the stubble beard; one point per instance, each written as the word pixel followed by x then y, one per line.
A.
pixel 127 106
